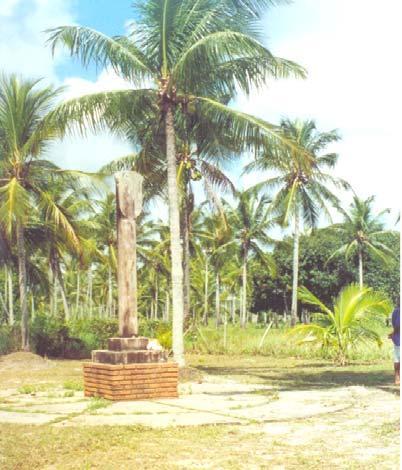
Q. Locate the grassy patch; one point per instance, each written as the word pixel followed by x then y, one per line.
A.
pixel 74 385
pixel 277 344
pixel 220 446
pixel 31 389
pixel 97 403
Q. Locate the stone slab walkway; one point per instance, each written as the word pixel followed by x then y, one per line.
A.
pixel 199 404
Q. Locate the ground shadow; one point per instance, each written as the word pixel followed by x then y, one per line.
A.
pixel 299 378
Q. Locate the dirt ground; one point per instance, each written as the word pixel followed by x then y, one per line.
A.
pixel 248 412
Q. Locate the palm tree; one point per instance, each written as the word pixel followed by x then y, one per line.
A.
pixel 302 188
pixel 251 221
pixel 354 318
pixel 26 129
pixel 361 228
pixel 214 239
pixel 190 52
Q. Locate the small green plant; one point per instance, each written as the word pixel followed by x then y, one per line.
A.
pixel 28 389
pixel 97 403
pixel 73 385
pixel 354 319
pixel 69 394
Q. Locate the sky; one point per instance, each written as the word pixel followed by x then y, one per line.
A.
pixel 351 49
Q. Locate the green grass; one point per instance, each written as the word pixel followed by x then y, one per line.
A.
pixel 29 389
pixel 277 344
pixel 97 403
pixel 74 385
pixel 219 446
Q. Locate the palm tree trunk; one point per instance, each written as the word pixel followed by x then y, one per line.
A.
pixel 167 306
pixel 175 246
pixel 186 256
pixel 110 292
pixel 32 306
pixel 217 301
pixel 60 281
pixel 89 293
pixel 22 281
pixel 361 269
pixel 10 297
pixel 205 319
pixel 78 293
pixel 156 297
pixel 293 313
pixel 243 316
pixel 55 296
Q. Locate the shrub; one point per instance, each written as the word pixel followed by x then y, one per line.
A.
pixel 49 335
pixel 10 338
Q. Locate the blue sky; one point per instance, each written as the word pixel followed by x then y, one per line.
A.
pixel 350 48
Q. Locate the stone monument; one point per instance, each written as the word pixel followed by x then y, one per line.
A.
pixel 128 370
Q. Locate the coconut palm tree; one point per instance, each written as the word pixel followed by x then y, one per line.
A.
pixel 251 220
pixel 26 130
pixel 362 230
pixel 187 53
pixel 354 318
pixel 302 188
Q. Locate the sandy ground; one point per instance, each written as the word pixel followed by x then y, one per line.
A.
pixel 354 420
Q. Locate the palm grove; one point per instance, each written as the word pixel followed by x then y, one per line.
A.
pixel 184 62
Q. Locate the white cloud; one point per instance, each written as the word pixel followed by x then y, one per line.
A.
pixel 351 50
pixel 22 38
pixel 7 7
pixel 23 51
pixel 93 151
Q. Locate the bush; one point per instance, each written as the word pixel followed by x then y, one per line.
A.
pixel 162 331
pixel 54 337
pixel 94 332
pixel 48 335
pixel 10 338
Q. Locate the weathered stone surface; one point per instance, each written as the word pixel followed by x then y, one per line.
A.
pixel 128 207
pixel 128 344
pixel 128 357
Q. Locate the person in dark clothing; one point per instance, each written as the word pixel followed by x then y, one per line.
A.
pixel 396 339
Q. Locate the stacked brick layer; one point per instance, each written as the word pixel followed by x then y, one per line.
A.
pixel 131 381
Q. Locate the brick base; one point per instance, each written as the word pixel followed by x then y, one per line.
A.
pixel 131 381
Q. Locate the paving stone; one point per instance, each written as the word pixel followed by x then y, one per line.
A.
pixel 154 421
pixel 61 408
pixel 137 407
pixel 25 418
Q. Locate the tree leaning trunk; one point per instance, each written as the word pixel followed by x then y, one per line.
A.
pixel 22 281
pixel 167 306
pixel 360 269
pixel 218 301
pixel 110 293
pixel 175 245
pixel 10 297
pixel 60 281
pixel 243 315
pixel 293 313
pixel 186 257
pixel 77 294
pixel 205 319
pixel 156 297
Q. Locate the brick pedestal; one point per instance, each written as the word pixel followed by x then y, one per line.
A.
pixel 131 381
pixel 128 371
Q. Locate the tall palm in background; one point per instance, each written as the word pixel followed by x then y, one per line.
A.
pixel 362 228
pixel 190 52
pixel 302 187
pixel 251 220
pixel 25 178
